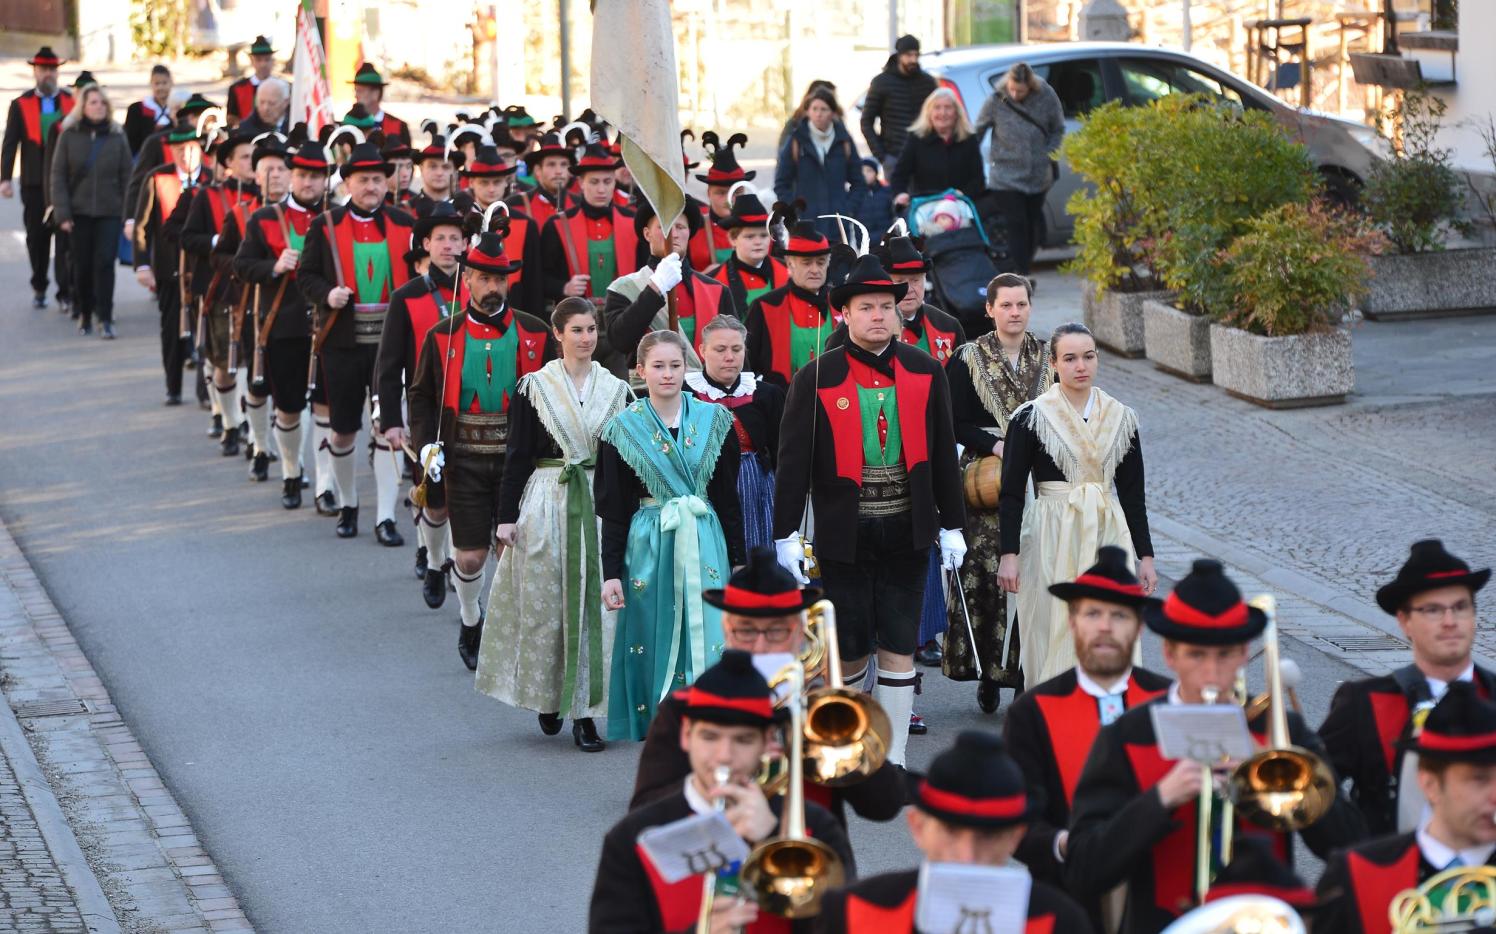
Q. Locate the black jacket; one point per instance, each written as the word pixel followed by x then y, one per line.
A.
pixel 828 185
pixel 317 274
pixel 254 262
pixel 1359 883
pixel 140 123
pixel 17 136
pixel 890 898
pixel 928 164
pixel 893 102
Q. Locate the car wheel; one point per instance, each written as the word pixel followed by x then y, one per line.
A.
pixel 1341 189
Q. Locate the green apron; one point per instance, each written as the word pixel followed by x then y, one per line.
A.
pixel 371 271
pixel 602 265
pixel 488 371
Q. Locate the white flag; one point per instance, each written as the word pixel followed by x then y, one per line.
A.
pixel 311 98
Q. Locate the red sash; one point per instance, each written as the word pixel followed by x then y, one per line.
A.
pixel 168 191
pixel 514 247
pixel 706 302
pixel 777 318
pixel 393 127
pixel 242 97
pixel 222 199
pixel 531 355
pixel 1390 713
pixel 844 412
pixel 31 114
pixel 1072 722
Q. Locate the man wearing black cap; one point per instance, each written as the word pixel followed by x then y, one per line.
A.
pixel 749 271
pixel 726 721
pixel 1433 598
pixel 415 308
pixel 763 613
pixel 241 102
pixel 368 91
pixel 971 809
pixel 880 470
pixel 467 368
pixel 270 257
pixel 489 176
pixel 711 242
pixel 1050 728
pixel 549 164
pixel 1134 812
pixel 588 246
pixel 791 325
pixel 353 260
pixel 1456 774
pixel 31 116
pixel 893 101
pixel 925 326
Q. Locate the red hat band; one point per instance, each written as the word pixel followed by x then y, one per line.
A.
pixel 1182 613
pixel 756 706
pixel 1106 583
pixel 802 245
pixel 738 596
pixel 1443 742
pixel 1011 806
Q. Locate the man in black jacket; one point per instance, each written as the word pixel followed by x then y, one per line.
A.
pixel 27 126
pixel 893 101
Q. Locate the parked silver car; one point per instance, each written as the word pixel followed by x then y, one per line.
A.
pixel 1088 74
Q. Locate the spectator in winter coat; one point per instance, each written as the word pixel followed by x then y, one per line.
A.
pixel 816 84
pixel 941 151
pixel 893 100
pixel 1027 124
pixel 873 205
pixel 819 164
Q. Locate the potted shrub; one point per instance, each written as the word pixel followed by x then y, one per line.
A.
pixel 1293 276
pixel 1416 199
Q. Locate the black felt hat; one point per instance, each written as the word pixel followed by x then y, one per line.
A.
pixel 644 212
pixel 551 144
pixel 488 164
pixel 311 156
pixel 1205 608
pixel 1254 870
pixel 1460 728
pixel 1429 567
pixel 366 157
pixel 45 57
pixel 725 169
pixel 444 214
pixel 368 76
pixel 975 783
pixel 805 239
pixel 732 693
pixel 516 116
pixel 84 79
pixel 866 278
pixel 747 211
pixel 358 116
pixel 233 141
pixel 596 157
pixel 899 254
pixel 488 256
pixel 762 588
pixel 437 147
pixel 397 148
pixel 1108 579
pixel 261 46
pixel 185 131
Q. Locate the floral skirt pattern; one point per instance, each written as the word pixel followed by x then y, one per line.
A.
pixel 987 605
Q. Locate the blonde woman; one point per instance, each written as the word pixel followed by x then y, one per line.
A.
pixel 941 151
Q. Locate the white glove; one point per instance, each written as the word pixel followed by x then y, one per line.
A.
pixel 667 274
pixel 791 552
pixel 433 460
pixel 952 549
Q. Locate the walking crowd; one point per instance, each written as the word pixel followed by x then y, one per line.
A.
pixel 738 475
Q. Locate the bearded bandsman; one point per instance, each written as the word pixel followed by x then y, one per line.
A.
pixel 970 809
pixel 1456 774
pixel 415 308
pixel 467 370
pixel 368 90
pixel 1134 813
pixel 792 325
pixel 438 172
pixel 1433 598
pixel 883 485
pixel 549 164
pixel 585 248
pixel 241 102
pixel 269 259
pixel 712 244
pixel 1050 728
pixel 726 721
pixel 353 262
pixel 749 272
pixel 398 153
pixel 489 176
pixel 26 128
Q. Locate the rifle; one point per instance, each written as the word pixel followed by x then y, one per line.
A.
pixel 184 296
pixel 236 327
pixel 332 318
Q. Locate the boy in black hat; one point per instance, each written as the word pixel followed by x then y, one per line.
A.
pixel 549 164
pixel 1134 812
pixel 1050 727
pixel 749 271
pixel 971 809
pixel 368 90
pixel 1456 774
pixel 763 612
pixel 27 124
pixel 883 484
pixel 1433 598
pixel 790 326
pixel 588 246
pixel 466 371
pixel 727 717
pixel 241 102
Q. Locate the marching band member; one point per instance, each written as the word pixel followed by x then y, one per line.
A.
pixel 241 99
pixel 789 326
pixel 368 91
pixel 749 271
pixel 711 241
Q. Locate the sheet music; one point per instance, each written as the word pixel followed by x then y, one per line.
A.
pixel 770 664
pixel 692 845
pixel 956 898
pixel 1202 732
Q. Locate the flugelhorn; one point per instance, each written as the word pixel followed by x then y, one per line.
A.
pixel 1459 899
pixel 846 731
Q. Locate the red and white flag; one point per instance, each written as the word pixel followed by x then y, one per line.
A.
pixel 311 97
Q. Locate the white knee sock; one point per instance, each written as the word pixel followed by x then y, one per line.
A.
pixel 214 405
pixel 322 446
pixel 258 415
pixel 288 440
pixel 894 692
pixel 386 481
pixel 229 399
pixel 342 473
pixel 855 680
pixel 469 590
pixel 434 537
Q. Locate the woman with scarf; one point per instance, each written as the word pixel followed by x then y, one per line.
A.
pixel 667 493
pixel 547 643
pixel 1082 449
pixel 990 378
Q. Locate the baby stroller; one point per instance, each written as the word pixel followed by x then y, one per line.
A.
pixel 962 259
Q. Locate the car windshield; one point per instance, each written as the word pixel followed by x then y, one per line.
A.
pixel 1147 80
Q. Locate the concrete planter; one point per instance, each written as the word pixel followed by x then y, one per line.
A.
pixel 1432 285
pixel 1283 372
pixel 1116 318
pixel 1177 341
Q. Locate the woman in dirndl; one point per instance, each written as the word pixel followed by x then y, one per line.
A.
pixel 1082 449
pixel 667 492
pixel 548 641
pixel 756 408
pixel 990 378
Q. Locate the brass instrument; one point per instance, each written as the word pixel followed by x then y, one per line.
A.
pixel 1284 787
pixel 1209 694
pixel 788 875
pixel 846 731
pixel 721 775
pixel 1240 914
pixel 1459 899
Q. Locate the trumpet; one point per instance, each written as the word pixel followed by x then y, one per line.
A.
pixel 721 774
pixel 1459 899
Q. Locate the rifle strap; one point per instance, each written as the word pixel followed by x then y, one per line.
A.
pixel 237 321
pixel 320 337
pixel 275 307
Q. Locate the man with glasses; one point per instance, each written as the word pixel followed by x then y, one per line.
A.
pixel 1372 721
pixel 763 613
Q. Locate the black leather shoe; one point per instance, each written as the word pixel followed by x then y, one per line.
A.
pixel 291 493
pixel 550 723
pixel 584 734
pixel 917 725
pixel 388 535
pixel 259 468
pixel 85 330
pixel 988 696
pixel 348 522
pixel 230 443
pixel 434 587
pixel 420 562
pixel 215 430
pixel 930 654
pixel 173 398
pixel 327 504
pixel 39 300
pixel 468 641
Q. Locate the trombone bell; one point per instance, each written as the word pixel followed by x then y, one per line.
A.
pixel 789 877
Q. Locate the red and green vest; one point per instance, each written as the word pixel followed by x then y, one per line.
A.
pixel 937 343
pixel 709 245
pixel 538 206
pixel 225 198
pixel 798 330
pixel 297 223
pixel 697 304
pixel 753 284
pixel 679 903
pixel 428 308
pixel 602 249
pixel 241 98
pixel 38 124
pixel 373 260
pixel 870 917
pixel 484 382
pixel 867 430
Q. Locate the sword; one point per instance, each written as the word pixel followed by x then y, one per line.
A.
pixel 953 583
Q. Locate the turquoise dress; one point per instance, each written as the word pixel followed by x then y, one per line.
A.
pixel 666 635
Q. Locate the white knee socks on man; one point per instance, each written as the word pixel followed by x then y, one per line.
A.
pixel 469 592
pixel 894 692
